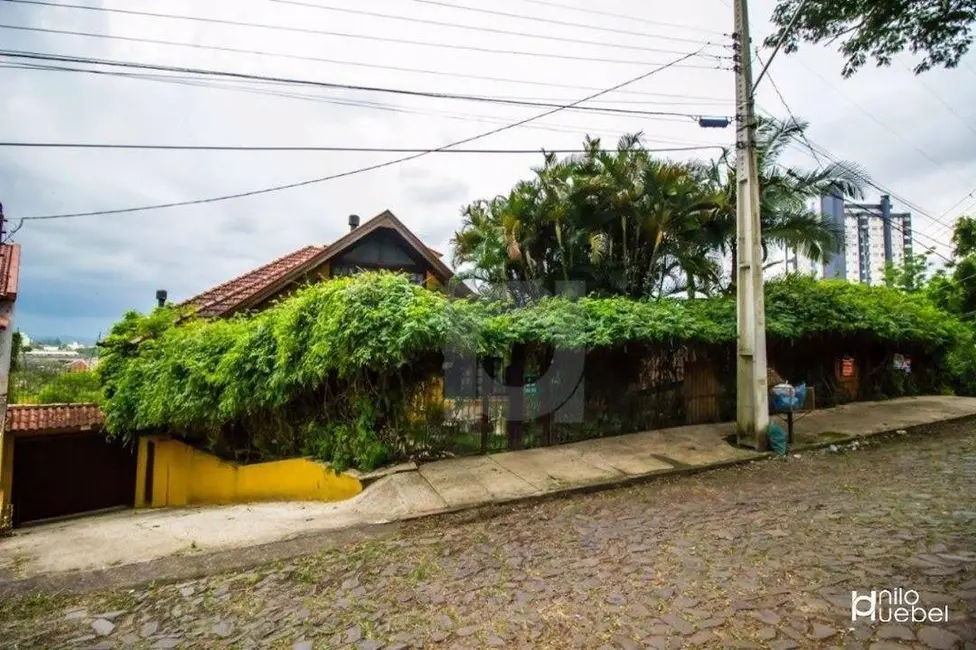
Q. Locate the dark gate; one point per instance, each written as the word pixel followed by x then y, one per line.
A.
pixel 61 475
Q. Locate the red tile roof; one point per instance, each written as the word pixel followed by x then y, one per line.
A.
pixel 9 271
pixel 22 418
pixel 223 298
pixel 230 296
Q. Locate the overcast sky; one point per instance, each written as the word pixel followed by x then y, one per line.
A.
pixel 913 135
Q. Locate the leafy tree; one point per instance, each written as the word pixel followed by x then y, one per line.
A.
pixel 940 31
pixel 71 387
pixel 911 276
pixel 16 350
pixel 955 288
pixel 621 221
pixel 627 223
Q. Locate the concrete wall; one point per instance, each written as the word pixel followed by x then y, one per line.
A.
pixel 183 475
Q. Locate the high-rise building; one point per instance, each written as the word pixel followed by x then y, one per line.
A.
pixel 873 237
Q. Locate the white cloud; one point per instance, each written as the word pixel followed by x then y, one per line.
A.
pixel 185 250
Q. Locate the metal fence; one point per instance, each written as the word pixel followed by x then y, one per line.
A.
pixel 638 388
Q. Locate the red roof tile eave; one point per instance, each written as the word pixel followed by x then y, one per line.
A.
pixel 224 298
pixel 41 418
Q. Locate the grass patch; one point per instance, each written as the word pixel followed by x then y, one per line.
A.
pixel 32 606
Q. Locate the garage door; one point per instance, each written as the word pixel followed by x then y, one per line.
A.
pixel 57 476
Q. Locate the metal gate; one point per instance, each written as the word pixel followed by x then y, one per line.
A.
pixel 61 475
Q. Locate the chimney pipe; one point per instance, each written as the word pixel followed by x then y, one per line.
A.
pixel 353 222
pixel 161 297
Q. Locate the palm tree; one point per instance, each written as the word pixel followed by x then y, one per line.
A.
pixel 785 192
pixel 621 221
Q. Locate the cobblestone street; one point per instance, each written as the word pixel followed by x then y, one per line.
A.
pixel 758 556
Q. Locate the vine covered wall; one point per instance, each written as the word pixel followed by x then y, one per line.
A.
pixel 338 369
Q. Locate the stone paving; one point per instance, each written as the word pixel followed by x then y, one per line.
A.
pixel 758 556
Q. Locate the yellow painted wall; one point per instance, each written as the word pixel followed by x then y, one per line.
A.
pixel 183 475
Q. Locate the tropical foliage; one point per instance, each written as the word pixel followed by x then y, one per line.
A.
pixel 332 370
pixel 624 222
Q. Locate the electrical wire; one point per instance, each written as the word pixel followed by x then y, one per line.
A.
pixel 361 170
pixel 939 98
pixel 132 12
pixel 299 148
pixel 633 19
pixel 899 228
pixel 881 188
pixel 779 43
pixel 367 37
pixel 469 48
pixel 325 84
pixel 789 111
pixel 550 21
pixel 212 84
pixel 815 150
pixel 505 32
pixel 871 115
pixel 698 98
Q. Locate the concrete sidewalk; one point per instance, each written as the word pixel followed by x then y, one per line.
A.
pixel 133 537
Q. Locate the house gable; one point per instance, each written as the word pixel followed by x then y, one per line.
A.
pixel 382 242
pixel 379 249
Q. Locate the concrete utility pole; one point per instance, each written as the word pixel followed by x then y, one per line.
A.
pixel 752 403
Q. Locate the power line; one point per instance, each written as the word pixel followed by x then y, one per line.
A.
pixel 703 99
pixel 779 44
pixel 223 21
pixel 814 150
pixel 633 19
pixel 789 111
pixel 272 148
pixel 326 84
pixel 211 84
pixel 866 112
pixel 550 21
pixel 506 32
pixel 951 226
pixel 881 188
pixel 822 151
pixel 321 32
pixel 940 99
pixel 381 165
pixel 900 229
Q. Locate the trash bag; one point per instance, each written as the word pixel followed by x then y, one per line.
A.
pixel 781 398
pixel 776 436
pixel 799 396
pixel 784 397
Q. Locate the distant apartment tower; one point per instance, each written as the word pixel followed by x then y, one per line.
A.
pixel 873 237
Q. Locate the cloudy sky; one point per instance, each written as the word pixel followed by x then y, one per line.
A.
pixel 915 136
